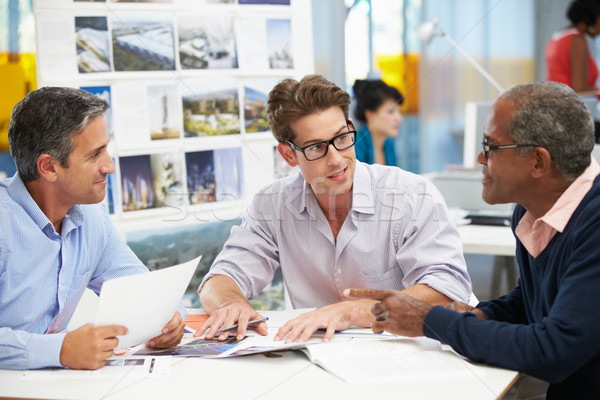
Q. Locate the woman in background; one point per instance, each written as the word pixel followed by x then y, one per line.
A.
pixel 378 108
pixel 568 58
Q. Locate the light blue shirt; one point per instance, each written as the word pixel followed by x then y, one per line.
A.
pixel 43 274
pixel 396 235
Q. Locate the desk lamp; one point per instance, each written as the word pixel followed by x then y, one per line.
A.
pixel 426 31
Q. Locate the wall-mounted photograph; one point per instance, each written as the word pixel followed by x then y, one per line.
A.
pixel 200 169
pixel 172 245
pixel 164 112
pixel 279 43
pixel 210 109
pixel 167 179
pixel 104 93
pixel 92 44
pixel 255 105
pixel 142 43
pixel 136 183
pixel 207 43
pixel 229 174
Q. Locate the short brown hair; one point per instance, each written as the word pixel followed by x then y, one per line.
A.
pixel 291 100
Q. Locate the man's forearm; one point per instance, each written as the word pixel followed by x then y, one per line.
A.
pixel 219 291
pixel 427 295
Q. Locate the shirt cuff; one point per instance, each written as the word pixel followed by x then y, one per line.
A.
pixel 45 350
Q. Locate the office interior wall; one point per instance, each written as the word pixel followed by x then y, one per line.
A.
pixel 328 19
pixel 499 35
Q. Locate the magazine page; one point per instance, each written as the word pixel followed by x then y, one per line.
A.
pixel 383 360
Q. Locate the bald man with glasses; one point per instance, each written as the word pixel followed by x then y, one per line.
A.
pixel 536 153
pixel 338 224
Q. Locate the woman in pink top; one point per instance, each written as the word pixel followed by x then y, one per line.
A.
pixel 568 58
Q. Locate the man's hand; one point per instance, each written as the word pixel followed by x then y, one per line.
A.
pixel 461 307
pixel 88 347
pixel 334 317
pixel 396 312
pixel 238 312
pixel 171 334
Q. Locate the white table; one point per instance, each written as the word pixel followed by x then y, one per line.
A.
pixel 289 376
pixel 498 241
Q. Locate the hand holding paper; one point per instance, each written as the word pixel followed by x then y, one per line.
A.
pixel 144 303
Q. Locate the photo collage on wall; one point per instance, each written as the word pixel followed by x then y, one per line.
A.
pixel 187 82
pixel 178 77
pixel 147 42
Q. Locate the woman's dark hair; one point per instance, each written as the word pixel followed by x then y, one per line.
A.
pixel 587 11
pixel 370 94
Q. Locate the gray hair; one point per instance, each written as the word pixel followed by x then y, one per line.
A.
pixel 551 115
pixel 45 122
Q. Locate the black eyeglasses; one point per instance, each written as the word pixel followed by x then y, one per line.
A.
pixel 318 150
pixel 487 147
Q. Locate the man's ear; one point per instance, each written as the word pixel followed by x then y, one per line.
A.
pixel 46 165
pixel 542 162
pixel 288 154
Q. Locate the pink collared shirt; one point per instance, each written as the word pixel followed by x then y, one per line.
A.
pixel 536 234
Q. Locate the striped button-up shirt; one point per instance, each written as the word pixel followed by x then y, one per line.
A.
pixel 396 235
pixel 43 274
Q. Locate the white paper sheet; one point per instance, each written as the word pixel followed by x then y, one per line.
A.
pixel 144 303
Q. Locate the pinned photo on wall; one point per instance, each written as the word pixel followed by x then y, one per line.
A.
pixel 210 109
pixel 167 179
pixel 104 93
pixel 279 43
pixel 229 174
pixel 136 183
pixel 207 43
pixel 92 44
pixel 255 104
pixel 164 112
pixel 142 43
pixel 200 170
pixel 161 248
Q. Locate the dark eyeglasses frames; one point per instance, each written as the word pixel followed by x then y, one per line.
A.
pixel 318 150
pixel 489 147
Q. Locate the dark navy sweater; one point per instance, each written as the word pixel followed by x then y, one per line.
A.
pixel 549 325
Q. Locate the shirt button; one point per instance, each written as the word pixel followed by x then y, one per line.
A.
pixel 339 270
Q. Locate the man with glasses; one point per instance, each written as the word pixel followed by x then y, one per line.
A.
pixel 537 153
pixel 338 224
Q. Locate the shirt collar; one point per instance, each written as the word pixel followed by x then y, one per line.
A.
pixel 362 193
pixel 560 213
pixel 20 195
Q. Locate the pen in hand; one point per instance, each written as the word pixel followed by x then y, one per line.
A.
pixel 231 327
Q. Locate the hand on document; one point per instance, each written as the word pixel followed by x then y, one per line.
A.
pixel 88 347
pixel 171 334
pixel 332 318
pixel 233 313
pixel 396 312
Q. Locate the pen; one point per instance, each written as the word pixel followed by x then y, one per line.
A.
pixel 253 322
